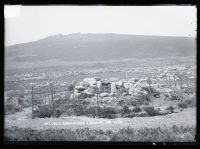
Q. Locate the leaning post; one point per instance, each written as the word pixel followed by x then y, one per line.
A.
pixel 52 98
pixel 97 92
pixel 150 90
pixel 32 101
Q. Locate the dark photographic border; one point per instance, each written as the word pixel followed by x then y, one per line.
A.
pixel 92 3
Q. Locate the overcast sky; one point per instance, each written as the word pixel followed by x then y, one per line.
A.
pixel 29 23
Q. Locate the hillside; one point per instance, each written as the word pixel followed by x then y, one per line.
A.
pixel 100 47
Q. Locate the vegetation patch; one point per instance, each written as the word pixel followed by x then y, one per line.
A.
pixel 12 105
pixel 168 134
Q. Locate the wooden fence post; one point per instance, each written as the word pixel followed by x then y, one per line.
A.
pixel 149 87
pixel 98 103
pixel 73 85
pixel 181 86
pixel 169 82
pixel 166 81
pixel 97 92
pixel 174 81
pixel 52 97
pixel 32 102
pixel 73 90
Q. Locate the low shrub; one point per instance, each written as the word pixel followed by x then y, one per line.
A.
pixel 108 112
pixel 84 95
pixel 109 116
pixel 130 115
pixel 66 110
pixel 141 114
pixel 11 108
pixel 109 101
pixel 164 112
pixel 12 105
pixel 38 101
pixel 158 134
pixel 57 113
pixel 26 102
pixel 121 102
pixel 150 110
pixel 170 108
pixel 43 111
pixel 154 92
pixel 176 95
pixel 93 111
pixel 189 90
pixel 143 99
pixel 125 110
pixel 80 110
pixel 132 102
pixel 84 102
pixel 70 87
pixel 136 109
pixel 182 105
pixel 61 101
pixel 190 102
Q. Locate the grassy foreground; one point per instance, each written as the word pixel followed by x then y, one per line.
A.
pixel 167 134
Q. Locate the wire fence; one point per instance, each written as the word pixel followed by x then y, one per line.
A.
pixel 49 93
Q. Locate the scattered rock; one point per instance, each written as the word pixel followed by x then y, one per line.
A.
pixel 104 95
pixel 178 110
pixel 113 79
pixel 134 108
pixel 142 114
pixel 113 88
pixel 80 88
pixel 99 84
pixel 119 83
pixel 105 82
pixel 164 112
pixel 90 90
pixel 77 95
pixel 127 85
pixel 91 81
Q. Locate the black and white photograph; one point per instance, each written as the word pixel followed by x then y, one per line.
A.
pixel 100 73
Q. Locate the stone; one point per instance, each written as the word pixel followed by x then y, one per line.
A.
pixel 105 81
pixel 127 85
pixel 90 81
pixel 104 95
pixel 90 90
pixel 112 79
pixel 113 88
pixel 142 114
pixel 161 108
pixel 99 84
pixel 97 79
pixel 125 94
pixel 80 88
pixel 85 84
pixel 93 86
pixel 177 110
pixel 119 83
pixel 164 112
pixel 77 95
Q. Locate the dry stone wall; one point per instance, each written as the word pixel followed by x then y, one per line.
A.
pixel 106 87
